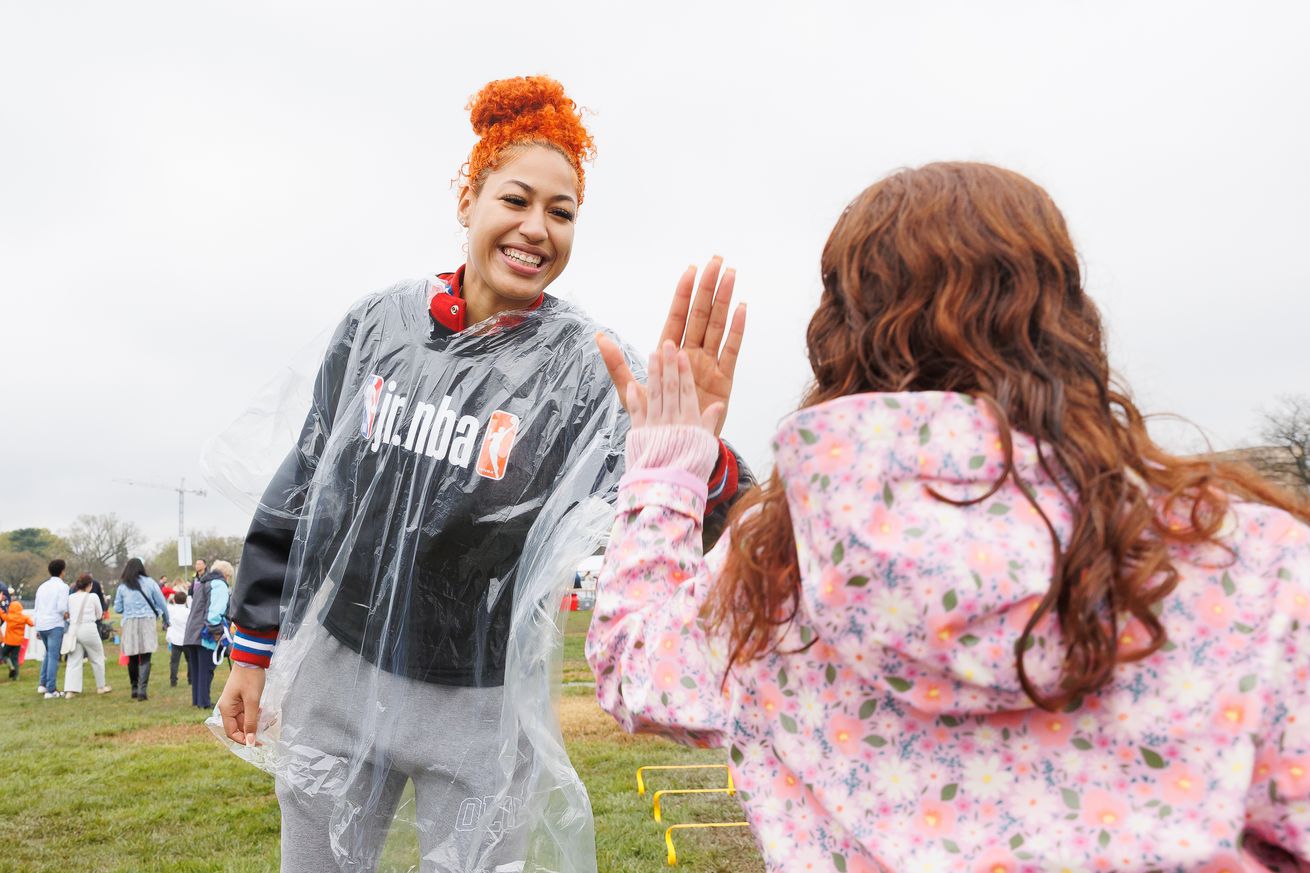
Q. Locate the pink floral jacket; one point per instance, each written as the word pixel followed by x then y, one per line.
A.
pixel 901 739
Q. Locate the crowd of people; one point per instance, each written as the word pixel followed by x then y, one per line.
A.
pixel 70 624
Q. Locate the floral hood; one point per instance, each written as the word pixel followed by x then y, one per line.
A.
pixel 955 584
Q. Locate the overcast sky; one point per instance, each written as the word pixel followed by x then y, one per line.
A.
pixel 190 192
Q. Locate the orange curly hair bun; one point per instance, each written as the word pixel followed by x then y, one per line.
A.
pixel 525 109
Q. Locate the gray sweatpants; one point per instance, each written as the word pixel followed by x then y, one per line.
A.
pixel 445 739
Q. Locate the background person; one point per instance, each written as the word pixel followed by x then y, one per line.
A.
pixel 178 615
pixel 141 603
pixel 98 590
pixel 50 611
pixel 103 627
pixel 84 610
pixel 16 624
pixel 977 620
pixel 211 587
pixel 211 634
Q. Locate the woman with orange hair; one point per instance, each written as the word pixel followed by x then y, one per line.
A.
pixel 399 578
pixel 977 619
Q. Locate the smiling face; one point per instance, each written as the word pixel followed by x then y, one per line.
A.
pixel 520 227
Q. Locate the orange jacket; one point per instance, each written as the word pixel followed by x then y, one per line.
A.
pixel 16 622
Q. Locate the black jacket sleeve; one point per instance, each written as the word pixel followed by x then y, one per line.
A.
pixel 257 594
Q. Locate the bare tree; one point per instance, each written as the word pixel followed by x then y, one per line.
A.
pixel 101 544
pixel 1287 432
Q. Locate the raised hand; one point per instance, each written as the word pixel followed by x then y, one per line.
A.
pixel 669 396
pixel 700 328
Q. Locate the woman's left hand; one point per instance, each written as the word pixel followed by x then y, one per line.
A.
pixel 669 396
pixel 700 329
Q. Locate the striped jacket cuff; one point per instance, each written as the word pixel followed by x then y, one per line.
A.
pixel 253 646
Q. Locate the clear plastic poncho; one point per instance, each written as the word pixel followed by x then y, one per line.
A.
pixel 427 522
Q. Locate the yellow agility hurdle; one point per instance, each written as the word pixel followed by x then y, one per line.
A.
pixel 668 835
pixel 641 784
pixel 663 791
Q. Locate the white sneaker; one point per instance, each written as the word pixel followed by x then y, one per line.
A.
pixel 53 695
pixel 41 689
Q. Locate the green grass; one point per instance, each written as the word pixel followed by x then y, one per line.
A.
pixel 104 784
pixel 575 637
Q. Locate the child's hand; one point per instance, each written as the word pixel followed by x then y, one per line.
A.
pixel 670 397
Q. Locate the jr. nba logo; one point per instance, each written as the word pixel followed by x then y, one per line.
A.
pixel 501 431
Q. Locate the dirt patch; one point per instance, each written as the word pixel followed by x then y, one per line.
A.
pixel 161 735
pixel 581 718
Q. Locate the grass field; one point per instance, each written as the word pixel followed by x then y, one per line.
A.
pixel 103 783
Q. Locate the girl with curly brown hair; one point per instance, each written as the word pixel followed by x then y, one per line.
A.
pixel 977 619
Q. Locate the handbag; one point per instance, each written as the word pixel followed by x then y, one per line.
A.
pixel 103 628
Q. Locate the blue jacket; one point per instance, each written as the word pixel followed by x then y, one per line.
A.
pixel 216 615
pixel 209 598
pixel 136 604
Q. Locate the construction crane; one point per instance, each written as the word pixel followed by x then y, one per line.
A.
pixel 182 492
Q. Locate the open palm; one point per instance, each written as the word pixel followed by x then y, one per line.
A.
pixel 700 328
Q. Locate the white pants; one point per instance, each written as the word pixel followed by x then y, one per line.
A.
pixel 89 647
